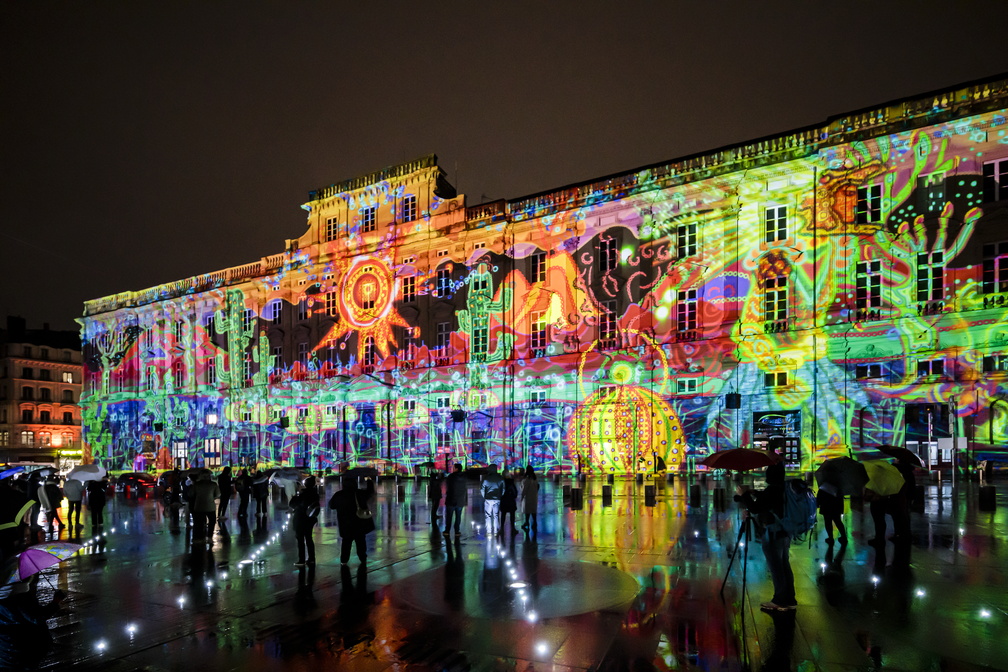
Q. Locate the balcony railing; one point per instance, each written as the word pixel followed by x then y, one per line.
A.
pixel 930 307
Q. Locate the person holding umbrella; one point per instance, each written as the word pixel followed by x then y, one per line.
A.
pixel 767 505
pixel 74 492
pixel 831 508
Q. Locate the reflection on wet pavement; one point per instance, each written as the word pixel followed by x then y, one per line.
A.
pixel 619 587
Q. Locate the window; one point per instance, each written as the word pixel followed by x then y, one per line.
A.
pixel 686 385
pixel 368 220
pixel 995 364
pixel 607 324
pixel 410 345
pixel 537 332
pixel 608 255
pixel 443 288
pixel 409 288
pixel 247 368
pixel 443 335
pixel 277 358
pixel 27 438
pixel 995 180
pixel 179 372
pixel 67 417
pixel 539 267
pixel 44 374
pixel 68 396
pixel 369 351
pixel 45 417
pixel 67 376
pixel 686 310
pixel 331 228
pixel 27 416
pixel 442 403
pixel 247 318
pixel 67 439
pixel 930 272
pixel 28 373
pixel 212 453
pixel 775 223
pixel 537 396
pixel 45 394
pixel 931 188
pixel 208 325
pixel 409 208
pixel 775 299
pixel 179 330
pixel 480 341
pixel 867 371
pixel 930 367
pixel 686 240
pixel 27 393
pixel 4 438
pixel 480 283
pixel 246 415
pixel 407 408
pixel 331 303
pixel 303 354
pixel 442 253
pixel 774 379
pixel 869 205
pixel 995 268
pixel 27 350
pixel 868 288
pixel 276 312
pixel 45 439
pixel 302 314
pixel 43 353
pixel 211 370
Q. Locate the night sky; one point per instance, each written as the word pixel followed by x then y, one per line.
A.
pixel 148 142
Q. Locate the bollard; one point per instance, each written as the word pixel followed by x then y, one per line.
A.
pixel 918 501
pixel 669 476
pixel 610 479
pixel 988 498
pixel 694 494
pixel 582 476
pixel 720 499
pixel 401 493
pixel 567 492
pixel 640 478
pixel 577 499
pixel 556 478
pixel 606 495
pixel 649 495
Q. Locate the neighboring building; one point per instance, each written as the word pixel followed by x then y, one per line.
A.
pixel 40 385
pixel 824 290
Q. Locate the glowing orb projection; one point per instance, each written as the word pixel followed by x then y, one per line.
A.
pixel 366 305
pixel 624 428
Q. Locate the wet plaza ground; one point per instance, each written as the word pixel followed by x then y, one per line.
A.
pixel 614 585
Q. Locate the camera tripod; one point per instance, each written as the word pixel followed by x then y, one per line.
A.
pixel 744 535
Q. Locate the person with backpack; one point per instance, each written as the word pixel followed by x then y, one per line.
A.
pixel 767 506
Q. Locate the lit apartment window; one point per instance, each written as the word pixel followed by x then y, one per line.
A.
pixel 45 439
pixel 686 385
pixel 4 438
pixel 68 376
pixel 686 310
pixel 608 255
pixel 369 351
pixel 331 303
pixel 868 285
pixel 607 324
pixel 27 438
pixel 686 240
pixel 409 208
pixel 409 288
pixel 930 367
pixel 868 209
pixel 995 180
pixel 995 268
pixel 368 219
pixel 775 223
pixel 775 299
pixel 443 282
pixel 775 379
pixel 539 267
pixel 537 331
pixel 868 371
pixel 930 274
pixel 67 439
pixel 331 228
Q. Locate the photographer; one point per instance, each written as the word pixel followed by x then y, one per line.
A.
pixel 767 508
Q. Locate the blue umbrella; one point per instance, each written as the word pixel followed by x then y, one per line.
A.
pixel 10 471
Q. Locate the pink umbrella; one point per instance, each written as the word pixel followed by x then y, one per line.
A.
pixel 36 558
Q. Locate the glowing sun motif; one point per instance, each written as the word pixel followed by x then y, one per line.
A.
pixel 365 300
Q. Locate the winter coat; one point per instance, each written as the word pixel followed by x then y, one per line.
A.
pixel 204 494
pixel 96 494
pixel 509 500
pixel 493 486
pixel 73 489
pixel 456 492
pixel 346 502
pixel 50 495
pixel 530 495
pixel 305 509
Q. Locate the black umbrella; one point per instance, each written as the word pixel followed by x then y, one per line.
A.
pixel 846 475
pixel 904 454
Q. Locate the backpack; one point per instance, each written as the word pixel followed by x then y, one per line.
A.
pixel 800 511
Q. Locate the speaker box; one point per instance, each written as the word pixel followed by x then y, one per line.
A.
pixel 158 426
pixel 458 415
pixel 733 400
pixel 285 421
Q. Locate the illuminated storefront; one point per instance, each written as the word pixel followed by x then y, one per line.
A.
pixel 822 291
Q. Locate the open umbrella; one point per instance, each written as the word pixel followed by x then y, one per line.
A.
pixel 42 472
pixel 740 459
pixel 10 471
pixel 287 479
pixel 903 454
pixel 847 476
pixel 36 558
pixel 883 478
pixel 87 472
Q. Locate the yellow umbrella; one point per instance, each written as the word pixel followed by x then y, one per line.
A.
pixel 883 478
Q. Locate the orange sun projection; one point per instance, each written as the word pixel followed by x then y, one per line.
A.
pixel 364 299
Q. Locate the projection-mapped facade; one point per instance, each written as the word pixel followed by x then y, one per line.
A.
pixel 829 290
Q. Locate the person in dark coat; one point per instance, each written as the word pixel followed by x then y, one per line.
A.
pixel 24 628
pixel 304 514
pixel 901 503
pixel 260 491
pixel 96 492
pixel 353 529
pixel 224 483
pixel 456 498
pixel 509 501
pixel 831 507
pixel 767 505
pixel 243 484
pixel 434 494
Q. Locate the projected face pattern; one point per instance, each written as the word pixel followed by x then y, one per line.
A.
pixel 857 293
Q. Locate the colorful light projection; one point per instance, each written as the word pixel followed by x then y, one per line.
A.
pixel 862 285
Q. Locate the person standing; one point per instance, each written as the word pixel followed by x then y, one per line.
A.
pixel 434 495
pixel 205 492
pixel 492 490
pixel 305 510
pixel 260 490
pixel 96 503
pixel 50 497
pixel 509 501
pixel 243 484
pixel 354 517
pixel 831 506
pixel 530 499
pixel 224 483
pixel 768 507
pixel 456 497
pixel 74 492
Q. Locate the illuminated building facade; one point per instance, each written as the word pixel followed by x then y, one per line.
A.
pixel 40 385
pixel 826 290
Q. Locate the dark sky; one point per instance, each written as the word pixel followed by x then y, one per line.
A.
pixel 146 142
